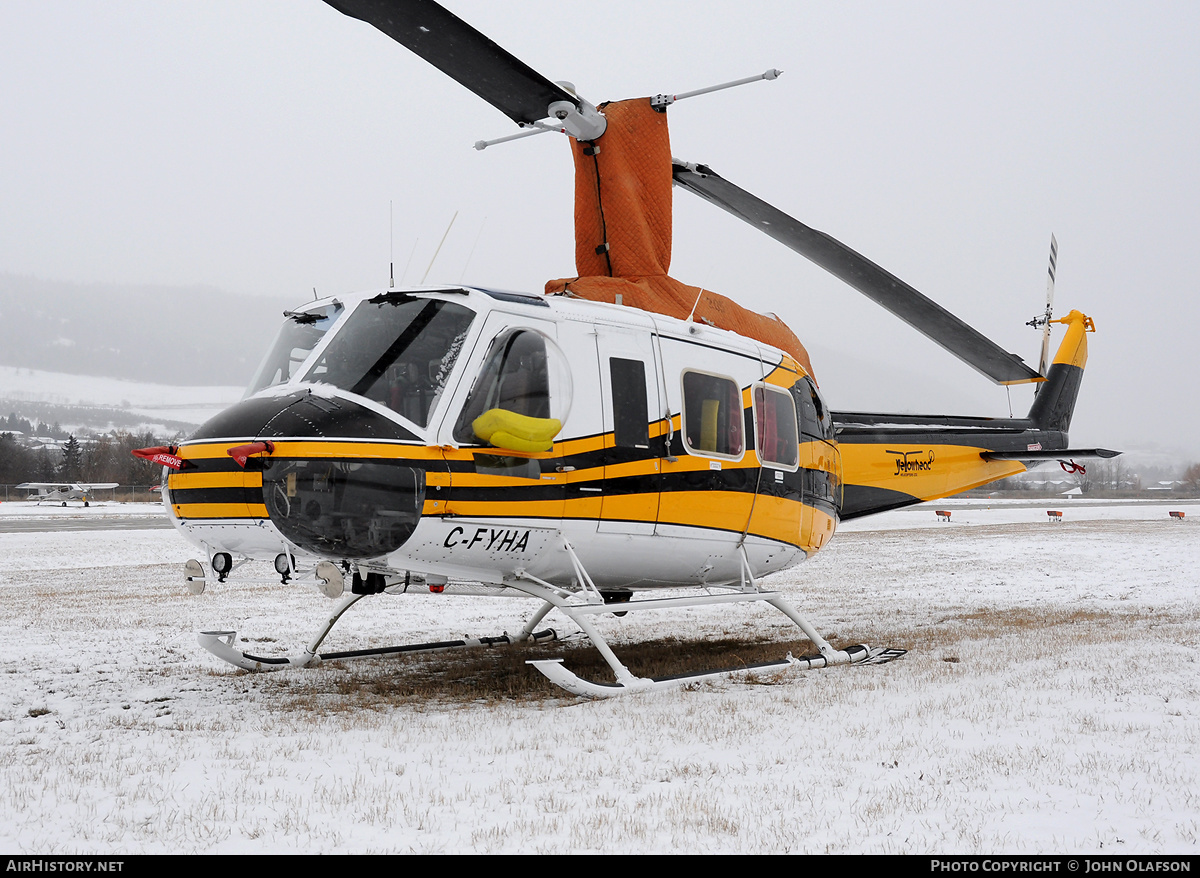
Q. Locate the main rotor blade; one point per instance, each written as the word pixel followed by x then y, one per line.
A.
pixel 875 283
pixel 462 53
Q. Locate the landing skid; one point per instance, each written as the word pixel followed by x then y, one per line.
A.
pixel 567 603
pixel 221 644
pixel 576 685
pixel 578 603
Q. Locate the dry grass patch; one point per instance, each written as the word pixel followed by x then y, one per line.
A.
pixel 502 675
pixel 1078 625
pixel 497 675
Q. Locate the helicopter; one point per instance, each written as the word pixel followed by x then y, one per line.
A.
pixel 619 442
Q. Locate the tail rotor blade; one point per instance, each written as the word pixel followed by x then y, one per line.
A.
pixel 918 311
pixel 1049 305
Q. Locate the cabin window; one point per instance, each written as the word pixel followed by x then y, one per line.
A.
pixel 297 338
pixel 712 415
pixel 522 395
pixel 631 420
pixel 397 350
pixel 775 427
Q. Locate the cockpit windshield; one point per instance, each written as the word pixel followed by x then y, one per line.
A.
pixel 297 338
pixel 397 350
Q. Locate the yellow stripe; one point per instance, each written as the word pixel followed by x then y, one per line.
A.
pixel 631 468
pixel 308 449
pixel 206 450
pixel 239 479
pixel 725 510
pixel 220 510
pixel 631 507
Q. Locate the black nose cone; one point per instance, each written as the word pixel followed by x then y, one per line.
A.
pixel 336 498
pixel 300 415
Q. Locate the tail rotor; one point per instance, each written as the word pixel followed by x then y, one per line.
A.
pixel 1042 321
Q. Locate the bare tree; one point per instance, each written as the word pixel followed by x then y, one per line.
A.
pixel 1083 478
pixel 1191 479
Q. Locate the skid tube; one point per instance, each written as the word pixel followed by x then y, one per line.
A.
pixel 221 644
pixel 559 598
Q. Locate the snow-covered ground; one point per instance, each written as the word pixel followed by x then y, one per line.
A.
pixel 153 401
pixel 1050 702
pixel 74 512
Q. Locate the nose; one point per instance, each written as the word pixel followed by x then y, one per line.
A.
pixel 327 483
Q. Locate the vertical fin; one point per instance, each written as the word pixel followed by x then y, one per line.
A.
pixel 1055 403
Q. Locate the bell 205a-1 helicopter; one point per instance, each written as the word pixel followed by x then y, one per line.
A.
pixel 618 435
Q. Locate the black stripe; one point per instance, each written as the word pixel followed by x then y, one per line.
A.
pixel 217 495
pixel 811 482
pixel 866 500
pixel 223 464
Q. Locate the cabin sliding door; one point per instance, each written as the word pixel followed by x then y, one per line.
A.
pixel 632 442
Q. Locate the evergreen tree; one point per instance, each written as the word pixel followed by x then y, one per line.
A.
pixel 71 468
pixel 43 467
pixel 14 460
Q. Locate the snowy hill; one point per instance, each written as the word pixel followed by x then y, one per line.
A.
pixel 172 335
pixel 106 403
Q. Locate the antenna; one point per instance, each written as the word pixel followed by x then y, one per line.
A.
pixel 695 305
pixel 439 247
pixel 478 235
pixel 391 249
pixel 411 254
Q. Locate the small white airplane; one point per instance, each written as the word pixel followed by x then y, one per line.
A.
pixel 55 492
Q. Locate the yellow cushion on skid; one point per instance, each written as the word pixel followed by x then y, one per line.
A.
pixel 505 429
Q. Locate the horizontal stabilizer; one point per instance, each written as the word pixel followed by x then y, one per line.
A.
pixel 915 309
pixel 1061 454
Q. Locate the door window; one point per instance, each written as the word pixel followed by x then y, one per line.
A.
pixel 775 427
pixel 712 415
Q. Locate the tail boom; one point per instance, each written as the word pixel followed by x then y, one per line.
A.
pixel 890 461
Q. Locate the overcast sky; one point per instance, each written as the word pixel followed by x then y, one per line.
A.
pixel 255 146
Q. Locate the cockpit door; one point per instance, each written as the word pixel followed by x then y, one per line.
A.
pixel 632 441
pixel 516 392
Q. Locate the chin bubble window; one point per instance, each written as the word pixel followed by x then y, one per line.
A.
pixel 712 415
pixel 521 397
